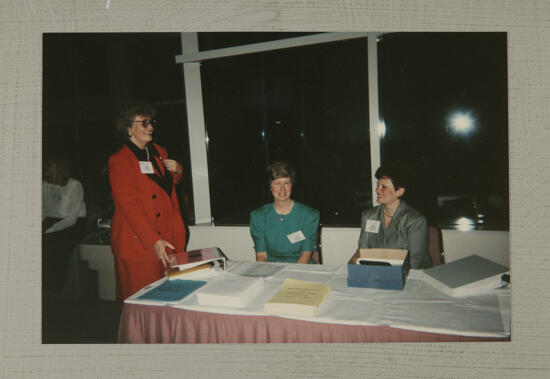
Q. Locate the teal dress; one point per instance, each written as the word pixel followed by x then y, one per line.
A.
pixel 269 231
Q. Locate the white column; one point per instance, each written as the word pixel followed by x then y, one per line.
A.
pixel 197 132
pixel 374 117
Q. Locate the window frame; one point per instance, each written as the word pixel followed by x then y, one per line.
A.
pixel 191 59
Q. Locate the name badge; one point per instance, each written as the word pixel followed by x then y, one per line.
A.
pixel 146 167
pixel 296 237
pixel 373 226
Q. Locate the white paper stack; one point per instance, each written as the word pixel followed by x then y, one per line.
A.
pixel 263 269
pixel 467 276
pixel 230 290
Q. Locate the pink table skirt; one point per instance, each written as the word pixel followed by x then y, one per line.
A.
pixel 155 324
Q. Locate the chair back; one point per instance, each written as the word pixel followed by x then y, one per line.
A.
pixel 316 255
pixel 435 245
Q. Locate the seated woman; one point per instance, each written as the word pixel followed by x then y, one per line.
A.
pixel 393 224
pixel 63 220
pixel 285 230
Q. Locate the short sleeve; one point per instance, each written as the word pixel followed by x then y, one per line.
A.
pixel 257 232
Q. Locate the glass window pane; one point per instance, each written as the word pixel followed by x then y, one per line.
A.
pixel 305 105
pixel 153 72
pixel 171 132
pixel 443 99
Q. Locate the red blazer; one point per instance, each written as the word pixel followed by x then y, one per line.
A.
pixel 144 212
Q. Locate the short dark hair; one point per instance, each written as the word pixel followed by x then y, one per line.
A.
pixel 62 166
pixel 127 114
pixel 396 172
pixel 280 170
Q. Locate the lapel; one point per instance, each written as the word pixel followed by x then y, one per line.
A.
pixel 163 179
pixel 393 226
pixel 399 213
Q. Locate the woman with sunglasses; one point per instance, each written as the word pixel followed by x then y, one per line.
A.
pixel 147 224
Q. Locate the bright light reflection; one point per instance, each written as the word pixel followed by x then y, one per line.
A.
pixel 464 224
pixel 381 129
pixel 461 122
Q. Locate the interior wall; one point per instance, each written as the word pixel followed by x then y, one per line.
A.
pixel 234 241
pixel 493 245
pixel 338 245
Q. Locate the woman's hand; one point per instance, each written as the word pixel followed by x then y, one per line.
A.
pixel 160 250
pixel 173 166
pixel 261 256
pixel 305 257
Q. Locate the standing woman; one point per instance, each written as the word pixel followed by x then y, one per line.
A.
pixel 146 220
pixel 285 230
pixel 394 224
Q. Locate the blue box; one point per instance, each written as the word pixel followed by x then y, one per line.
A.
pixel 371 274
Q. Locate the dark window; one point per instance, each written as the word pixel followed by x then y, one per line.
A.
pixel 58 67
pixel 443 99
pixel 86 77
pixel 171 132
pixel 153 71
pixel 93 76
pixel 305 105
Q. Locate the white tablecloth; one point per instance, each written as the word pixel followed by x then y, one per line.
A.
pixel 419 306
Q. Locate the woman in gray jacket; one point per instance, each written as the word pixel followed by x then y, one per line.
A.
pixel 393 224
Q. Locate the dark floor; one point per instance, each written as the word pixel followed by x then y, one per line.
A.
pixel 66 320
pixel 75 314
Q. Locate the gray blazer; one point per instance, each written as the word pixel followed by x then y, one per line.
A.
pixel 407 230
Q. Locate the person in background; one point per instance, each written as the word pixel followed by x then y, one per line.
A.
pixel 147 223
pixel 285 230
pixel 63 212
pixel 393 224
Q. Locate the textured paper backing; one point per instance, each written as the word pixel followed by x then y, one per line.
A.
pixel 22 355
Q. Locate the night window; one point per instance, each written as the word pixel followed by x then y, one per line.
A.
pixel 305 105
pixel 443 101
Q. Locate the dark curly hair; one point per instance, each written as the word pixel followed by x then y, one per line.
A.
pixel 280 170
pixel 126 115
pixel 396 172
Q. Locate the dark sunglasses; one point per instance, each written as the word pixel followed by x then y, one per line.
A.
pixel 147 122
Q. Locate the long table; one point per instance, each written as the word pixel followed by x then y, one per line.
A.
pixel 418 313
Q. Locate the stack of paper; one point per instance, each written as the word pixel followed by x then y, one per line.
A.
pixel 189 259
pixel 263 269
pixel 205 270
pixel 298 298
pixel 467 276
pixel 230 290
